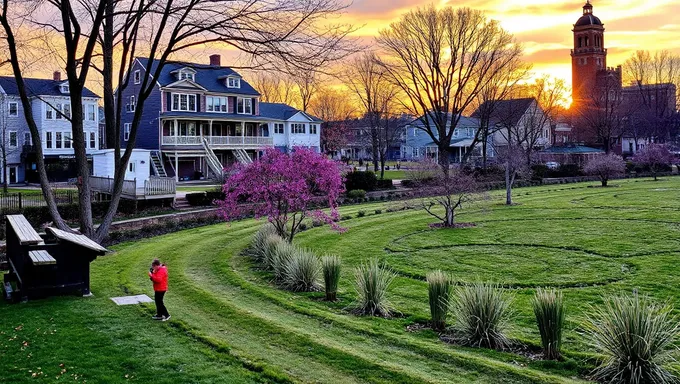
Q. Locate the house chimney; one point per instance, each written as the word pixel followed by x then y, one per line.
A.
pixel 56 76
pixel 215 60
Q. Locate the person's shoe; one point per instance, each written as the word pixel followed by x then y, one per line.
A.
pixel 156 317
pixel 166 318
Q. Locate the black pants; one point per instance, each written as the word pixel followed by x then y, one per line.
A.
pixel 160 306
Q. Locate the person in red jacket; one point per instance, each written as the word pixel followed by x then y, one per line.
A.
pixel 159 276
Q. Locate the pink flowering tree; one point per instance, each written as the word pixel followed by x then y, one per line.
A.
pixel 284 188
pixel 656 157
pixel 605 167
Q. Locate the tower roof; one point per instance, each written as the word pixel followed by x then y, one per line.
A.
pixel 588 18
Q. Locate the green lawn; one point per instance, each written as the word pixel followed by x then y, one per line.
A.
pixel 230 324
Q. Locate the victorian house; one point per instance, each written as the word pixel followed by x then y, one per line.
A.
pixel 202 117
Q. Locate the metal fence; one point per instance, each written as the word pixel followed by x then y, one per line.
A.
pixel 15 202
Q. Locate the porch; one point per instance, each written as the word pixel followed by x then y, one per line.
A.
pixel 153 188
pixel 222 134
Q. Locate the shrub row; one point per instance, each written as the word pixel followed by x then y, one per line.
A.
pixel 295 269
pixel 635 335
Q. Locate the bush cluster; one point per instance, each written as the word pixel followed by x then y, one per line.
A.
pixel 356 194
pixel 373 280
pixel 360 180
pixel 294 269
pixel 384 184
pixel 202 199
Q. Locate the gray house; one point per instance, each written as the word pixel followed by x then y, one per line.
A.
pixel 419 145
pixel 51 106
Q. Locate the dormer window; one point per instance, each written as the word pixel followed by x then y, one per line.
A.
pixel 233 82
pixel 186 74
pixel 64 88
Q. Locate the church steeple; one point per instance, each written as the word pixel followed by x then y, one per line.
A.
pixel 588 8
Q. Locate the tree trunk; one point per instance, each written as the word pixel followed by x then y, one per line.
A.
pixel 508 185
pixel 444 160
pixel 484 148
pixel 450 217
pixel 604 182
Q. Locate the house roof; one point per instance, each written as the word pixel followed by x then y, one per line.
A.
pixel 462 123
pixel 571 150
pixel 280 111
pixel 210 77
pixel 506 112
pixel 37 87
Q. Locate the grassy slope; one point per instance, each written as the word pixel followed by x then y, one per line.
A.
pixel 229 323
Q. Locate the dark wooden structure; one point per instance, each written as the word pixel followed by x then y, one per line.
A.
pixel 55 263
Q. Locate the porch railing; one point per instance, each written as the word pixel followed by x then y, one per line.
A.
pixel 105 185
pixel 219 140
pixel 160 186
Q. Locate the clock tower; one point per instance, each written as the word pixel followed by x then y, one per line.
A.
pixel 589 57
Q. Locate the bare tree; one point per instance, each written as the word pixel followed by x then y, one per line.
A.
pixel 537 123
pixel 499 88
pixel 654 100
pixel 512 159
pixel 335 109
pixel 603 116
pixel 274 87
pixel 442 59
pixel 377 96
pixel 448 191
pixel 307 82
pixel 273 33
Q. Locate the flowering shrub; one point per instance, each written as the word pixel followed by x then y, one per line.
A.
pixel 283 187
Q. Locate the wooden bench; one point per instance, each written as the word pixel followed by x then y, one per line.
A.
pixel 41 257
pixel 77 239
pixel 23 230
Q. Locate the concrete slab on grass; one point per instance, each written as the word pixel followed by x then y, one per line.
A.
pixel 130 300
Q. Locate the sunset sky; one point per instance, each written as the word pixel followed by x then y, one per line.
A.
pixel 544 26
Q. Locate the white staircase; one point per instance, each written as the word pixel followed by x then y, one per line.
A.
pixel 242 156
pixel 213 161
pixel 157 164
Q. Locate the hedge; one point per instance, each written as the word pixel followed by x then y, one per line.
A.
pixel 202 199
pixel 360 180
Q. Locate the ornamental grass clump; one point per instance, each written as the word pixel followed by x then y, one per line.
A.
pixel 332 266
pixel 271 242
pixel 282 255
pixel 260 241
pixel 301 272
pixel 373 281
pixel 481 312
pixel 549 310
pixel 439 290
pixel 637 338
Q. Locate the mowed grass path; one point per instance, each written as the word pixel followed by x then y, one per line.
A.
pixel 230 324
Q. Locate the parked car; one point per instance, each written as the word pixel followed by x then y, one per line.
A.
pixel 552 165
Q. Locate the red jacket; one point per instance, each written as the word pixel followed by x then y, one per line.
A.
pixel 160 279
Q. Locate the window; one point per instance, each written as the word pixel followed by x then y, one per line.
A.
pixel 244 106
pixel 138 77
pixel 28 140
pixel 186 75
pixel 415 152
pixel 215 104
pixel 91 112
pixel 67 140
pixel 312 129
pixel 67 110
pixel 187 129
pixel 65 88
pixel 126 133
pixel 183 102
pixel 58 141
pixel 131 166
pixel 93 140
pixel 13 139
pixel 49 112
pixel 278 128
pixel 297 128
pixel 233 82
pixel 48 140
pixel 13 108
pixel 131 105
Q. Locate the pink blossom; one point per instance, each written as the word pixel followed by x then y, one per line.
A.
pixel 283 187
